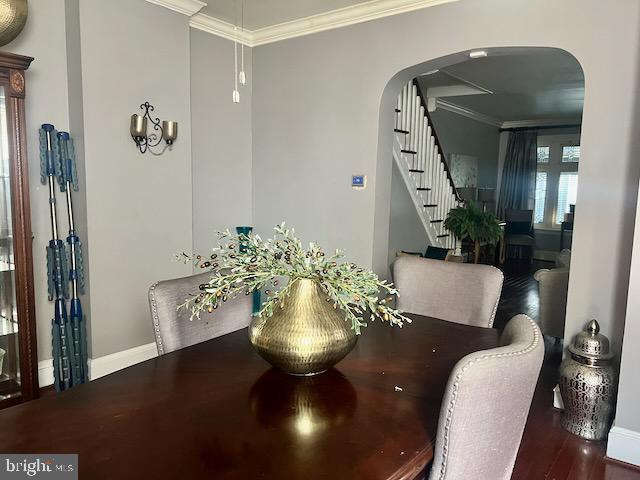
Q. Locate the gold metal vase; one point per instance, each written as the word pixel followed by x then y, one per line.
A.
pixel 306 336
pixel 13 17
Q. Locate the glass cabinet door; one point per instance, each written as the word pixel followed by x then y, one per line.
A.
pixel 9 345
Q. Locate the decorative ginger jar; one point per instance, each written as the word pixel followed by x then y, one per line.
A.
pixel 588 385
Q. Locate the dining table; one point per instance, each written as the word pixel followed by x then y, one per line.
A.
pixel 217 410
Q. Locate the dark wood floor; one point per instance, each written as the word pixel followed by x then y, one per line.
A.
pixel 548 451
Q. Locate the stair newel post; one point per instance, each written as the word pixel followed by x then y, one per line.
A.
pixel 449 207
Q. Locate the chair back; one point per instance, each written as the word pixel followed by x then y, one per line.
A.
pixel 519 222
pixel 457 292
pixel 553 286
pixel 438 253
pixel 172 328
pixel 485 407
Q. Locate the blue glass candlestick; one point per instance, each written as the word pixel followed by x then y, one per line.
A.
pixel 246 230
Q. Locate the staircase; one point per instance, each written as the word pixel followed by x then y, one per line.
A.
pixel 420 159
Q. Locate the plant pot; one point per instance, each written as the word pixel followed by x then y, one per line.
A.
pixel 306 336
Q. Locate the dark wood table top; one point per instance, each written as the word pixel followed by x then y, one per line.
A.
pixel 217 410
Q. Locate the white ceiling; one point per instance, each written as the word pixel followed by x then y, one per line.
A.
pixel 265 13
pixel 542 84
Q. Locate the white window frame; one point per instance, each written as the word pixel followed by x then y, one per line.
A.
pixel 554 168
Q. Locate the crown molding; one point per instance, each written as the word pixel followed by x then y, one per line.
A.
pixel 544 122
pixel 341 17
pixel 221 28
pixel 185 7
pixel 466 112
pixel 494 122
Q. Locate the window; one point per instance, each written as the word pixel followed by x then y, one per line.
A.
pixel 567 193
pixel 541 193
pixel 556 178
pixel 570 153
pixel 543 154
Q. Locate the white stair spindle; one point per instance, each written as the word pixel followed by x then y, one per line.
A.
pixel 419 140
pixel 414 107
pixel 405 104
pixel 429 155
pixel 423 152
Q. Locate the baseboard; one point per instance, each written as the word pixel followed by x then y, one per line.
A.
pixel 45 373
pixel 624 445
pixel 101 366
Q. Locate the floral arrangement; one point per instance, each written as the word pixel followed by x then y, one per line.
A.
pixel 241 264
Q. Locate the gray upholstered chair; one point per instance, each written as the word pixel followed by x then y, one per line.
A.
pixel 172 328
pixel 553 285
pixel 485 407
pixel 457 292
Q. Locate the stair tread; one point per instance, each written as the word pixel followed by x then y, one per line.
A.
pixel 437 221
pixel 443 235
pixel 413 152
pixel 399 130
pixel 423 189
pixel 413 170
pixel 398 110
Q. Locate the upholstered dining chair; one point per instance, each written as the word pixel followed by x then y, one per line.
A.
pixel 485 406
pixel 553 285
pixel 457 292
pixel 172 328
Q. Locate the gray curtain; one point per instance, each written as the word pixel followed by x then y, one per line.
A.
pixel 518 186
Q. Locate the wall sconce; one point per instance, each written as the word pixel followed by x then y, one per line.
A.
pixel 167 131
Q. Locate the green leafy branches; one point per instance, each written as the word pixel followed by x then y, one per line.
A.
pixel 243 263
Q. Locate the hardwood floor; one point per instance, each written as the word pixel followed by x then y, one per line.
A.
pixel 548 451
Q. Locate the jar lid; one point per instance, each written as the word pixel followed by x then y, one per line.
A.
pixel 590 343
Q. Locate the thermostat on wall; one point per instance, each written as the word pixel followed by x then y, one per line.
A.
pixel 358 182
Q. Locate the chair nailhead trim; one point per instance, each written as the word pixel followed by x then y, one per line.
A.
pixel 156 319
pixel 452 402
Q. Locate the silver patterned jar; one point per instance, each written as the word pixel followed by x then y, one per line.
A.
pixel 587 385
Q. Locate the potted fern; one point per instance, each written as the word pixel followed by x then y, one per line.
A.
pixel 469 222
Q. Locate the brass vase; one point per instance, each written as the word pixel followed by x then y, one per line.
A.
pixel 13 17
pixel 306 336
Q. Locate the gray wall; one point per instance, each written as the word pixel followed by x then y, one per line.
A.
pixel 466 136
pixel 89 80
pixel 321 101
pixel 138 206
pixel 628 408
pixel 221 147
pixel 405 227
pixel 47 102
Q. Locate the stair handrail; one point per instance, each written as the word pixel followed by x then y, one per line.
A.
pixel 423 101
